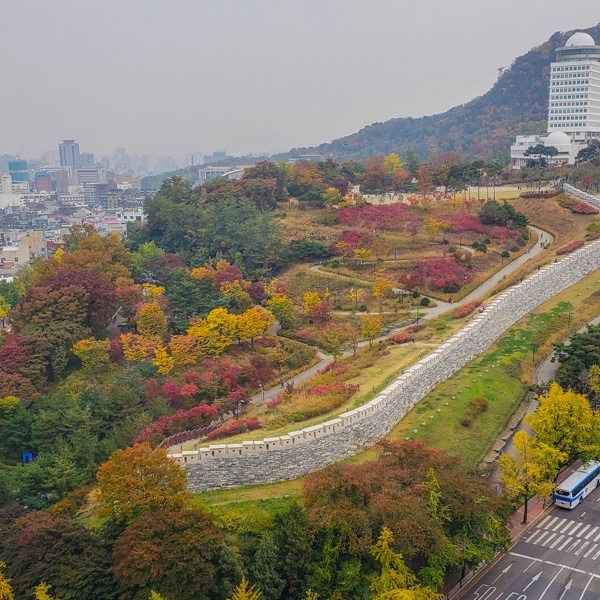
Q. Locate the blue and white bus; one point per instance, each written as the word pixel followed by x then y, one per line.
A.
pixel 577 486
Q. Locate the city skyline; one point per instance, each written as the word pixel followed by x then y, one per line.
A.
pixel 252 78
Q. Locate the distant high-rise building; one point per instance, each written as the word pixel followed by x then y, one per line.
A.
pixel 19 173
pixel 574 102
pixel 91 175
pixel 87 159
pixel 69 154
pixel 43 182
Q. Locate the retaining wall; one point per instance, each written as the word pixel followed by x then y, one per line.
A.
pixel 587 198
pixel 300 452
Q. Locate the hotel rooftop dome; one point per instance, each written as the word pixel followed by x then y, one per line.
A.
pixel 580 39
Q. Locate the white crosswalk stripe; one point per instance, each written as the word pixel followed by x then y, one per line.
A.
pixel 545 520
pixel 580 534
pixel 590 550
pixel 564 543
pixel 582 548
pixel 567 526
pixel 591 533
pixel 559 524
pixel 548 539
pixel 573 546
pixel 596 555
pixel 534 534
pixel 557 541
pixel 539 540
pixel 572 531
pixel 549 524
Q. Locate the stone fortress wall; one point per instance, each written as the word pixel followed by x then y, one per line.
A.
pixel 584 196
pixel 300 452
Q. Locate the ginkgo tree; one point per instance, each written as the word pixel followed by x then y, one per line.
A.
pixel 6 592
pixel 532 472
pixel 564 422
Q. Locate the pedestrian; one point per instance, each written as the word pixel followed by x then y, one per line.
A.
pixel 281 384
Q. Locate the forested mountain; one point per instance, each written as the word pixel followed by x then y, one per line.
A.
pixel 481 128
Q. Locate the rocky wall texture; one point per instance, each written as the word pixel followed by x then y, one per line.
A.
pixel 301 452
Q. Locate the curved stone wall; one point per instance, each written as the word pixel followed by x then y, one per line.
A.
pixel 300 452
pixel 588 198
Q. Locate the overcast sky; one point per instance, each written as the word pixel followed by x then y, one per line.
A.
pixel 177 76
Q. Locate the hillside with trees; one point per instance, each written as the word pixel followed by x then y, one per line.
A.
pixel 482 128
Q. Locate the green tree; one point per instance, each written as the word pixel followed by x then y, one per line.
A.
pixel 295 550
pixel 264 568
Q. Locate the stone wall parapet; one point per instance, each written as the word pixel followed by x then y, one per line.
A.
pixel 300 452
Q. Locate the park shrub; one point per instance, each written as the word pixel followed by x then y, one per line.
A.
pixel 234 428
pixel 451 289
pixel 466 309
pixel 584 209
pixel 425 301
pixel 406 336
pixel 275 402
pixel 514 249
pixel 521 242
pixel 476 407
pixel 391 217
pixel 416 294
pixel 570 247
pixel 363 308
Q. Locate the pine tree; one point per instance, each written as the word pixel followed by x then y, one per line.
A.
pixel 263 570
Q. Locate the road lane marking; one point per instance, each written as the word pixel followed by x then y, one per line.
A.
pixel 533 580
pixel 591 533
pixel 529 565
pixel 557 541
pixel 577 526
pixel 549 523
pixel 597 538
pixel 554 564
pixel 586 587
pixel 596 555
pixel 551 582
pixel 573 546
pixel 503 573
pixel 567 588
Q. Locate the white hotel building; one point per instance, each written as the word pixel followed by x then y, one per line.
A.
pixel 573 102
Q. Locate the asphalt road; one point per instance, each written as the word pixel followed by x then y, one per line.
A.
pixel 557 559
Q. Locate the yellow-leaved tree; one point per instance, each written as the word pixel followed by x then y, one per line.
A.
pixel 162 361
pixel 565 422
pixel 245 591
pixel 215 333
pixel 311 299
pixel 42 592
pixel 184 349
pixel 6 592
pixel 382 285
pixel 532 472
pixel 93 354
pixel 137 347
pixel 371 327
pixel 151 320
pixel 282 309
pixel 253 323
pixel 395 580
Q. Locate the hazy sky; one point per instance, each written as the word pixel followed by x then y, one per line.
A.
pixel 176 76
